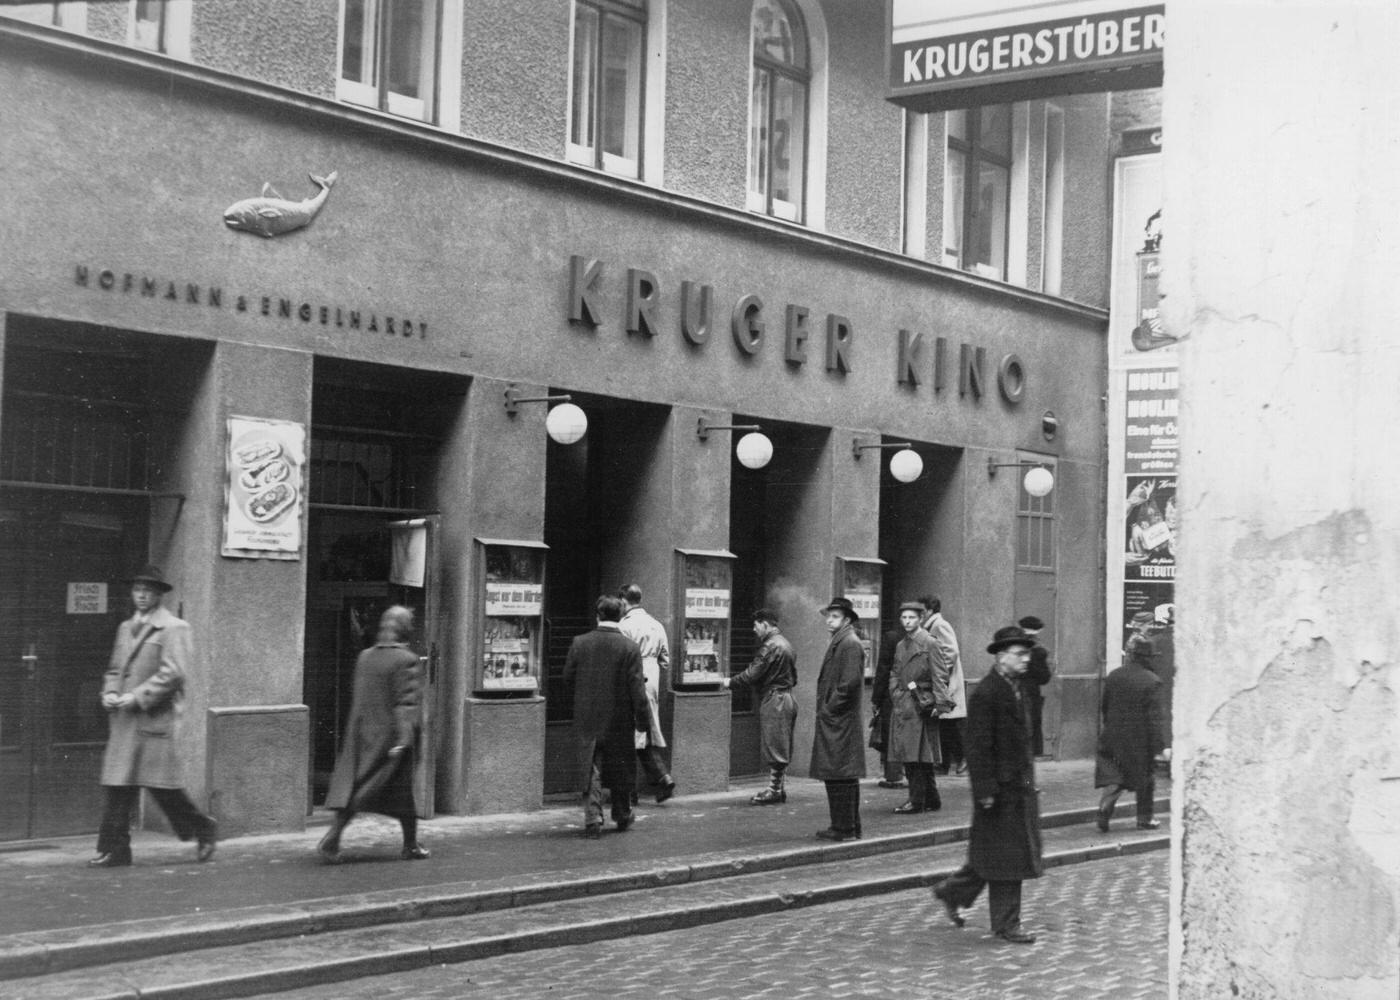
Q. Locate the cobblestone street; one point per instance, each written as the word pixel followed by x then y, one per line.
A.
pixel 1102 928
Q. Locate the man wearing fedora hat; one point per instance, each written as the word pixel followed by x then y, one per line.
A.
pixel 141 692
pixel 1004 843
pixel 838 751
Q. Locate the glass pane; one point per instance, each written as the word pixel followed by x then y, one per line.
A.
pixel 407 61
pixel 995 131
pixel 954 186
pixel 789 141
pixel 148 17
pixel 585 54
pixel 777 33
pixel 957 124
pixel 357 60
pixel 622 87
pixel 986 249
pixel 758 136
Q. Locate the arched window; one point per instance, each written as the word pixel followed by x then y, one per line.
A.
pixel 782 76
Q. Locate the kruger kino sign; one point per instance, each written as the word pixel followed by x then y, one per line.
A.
pixel 946 54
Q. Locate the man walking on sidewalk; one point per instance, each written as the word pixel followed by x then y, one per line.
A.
pixel 1130 739
pixel 771 676
pixel 639 626
pixel 1004 844
pixel 604 669
pixel 838 752
pixel 141 692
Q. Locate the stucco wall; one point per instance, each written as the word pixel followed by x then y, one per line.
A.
pixel 1280 271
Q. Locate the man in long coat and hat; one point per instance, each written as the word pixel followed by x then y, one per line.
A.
pixel 838 749
pixel 142 691
pixel 1131 737
pixel 1004 844
pixel 604 668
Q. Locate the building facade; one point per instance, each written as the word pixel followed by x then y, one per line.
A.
pixel 308 398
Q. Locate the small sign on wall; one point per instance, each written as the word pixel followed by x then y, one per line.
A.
pixel 87 598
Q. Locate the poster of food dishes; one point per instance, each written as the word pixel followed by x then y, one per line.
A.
pixel 264 485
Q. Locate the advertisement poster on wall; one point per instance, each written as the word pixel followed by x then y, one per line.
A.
pixel 264 473
pixel 1152 526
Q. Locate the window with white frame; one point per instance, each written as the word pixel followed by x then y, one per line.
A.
pixel 161 26
pixel 390 55
pixel 778 110
pixel 148 24
pixel 606 85
pixel 977 190
pixel 70 14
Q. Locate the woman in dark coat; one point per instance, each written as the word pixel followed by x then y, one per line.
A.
pixel 1131 735
pixel 838 751
pixel 374 772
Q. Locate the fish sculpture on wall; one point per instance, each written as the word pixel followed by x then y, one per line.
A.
pixel 272 215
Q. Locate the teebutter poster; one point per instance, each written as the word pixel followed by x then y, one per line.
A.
pixel 263 488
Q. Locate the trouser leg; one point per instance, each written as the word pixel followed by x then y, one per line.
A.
pixel 852 807
pixel 932 799
pixel 918 783
pixel 843 802
pixel 185 819
pixel 894 770
pixel 1004 901
pixel 409 826
pixel 1107 801
pixel 1145 794
pixel 114 832
pixel 650 759
pixel 593 795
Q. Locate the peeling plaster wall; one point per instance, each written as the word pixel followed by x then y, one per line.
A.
pixel 1281 260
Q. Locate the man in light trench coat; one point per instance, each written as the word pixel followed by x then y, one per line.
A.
pixel 142 691
pixel 1004 845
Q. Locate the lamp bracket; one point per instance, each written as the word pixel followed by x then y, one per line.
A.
pixel 514 399
pixel 857 446
pixel 993 465
pixel 703 428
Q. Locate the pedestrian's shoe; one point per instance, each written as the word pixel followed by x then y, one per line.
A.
pixel 1148 824
pixel 1016 936
pixel 906 809
pixel 667 789
pixel 838 836
pixel 934 804
pixel 889 784
pixel 961 769
pixel 110 859
pixel 624 823
pixel 204 849
pixel 413 852
pixel 769 797
pixel 949 907
pixel 592 831
pixel 329 848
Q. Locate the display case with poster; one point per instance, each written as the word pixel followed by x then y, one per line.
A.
pixel 510 577
pixel 703 595
pixel 859 581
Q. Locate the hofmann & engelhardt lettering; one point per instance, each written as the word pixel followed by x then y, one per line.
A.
pixel 748 328
pixel 1120 34
pixel 271 306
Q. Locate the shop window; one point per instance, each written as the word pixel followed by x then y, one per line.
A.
pixel 161 26
pixel 70 14
pixel 778 110
pixel 606 86
pixel 977 190
pixel 1035 529
pixel 392 55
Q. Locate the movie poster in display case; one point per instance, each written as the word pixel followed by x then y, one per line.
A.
pixel 860 581
pixel 511 578
pixel 704 593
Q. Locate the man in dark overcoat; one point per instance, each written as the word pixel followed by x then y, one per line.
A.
pixel 604 668
pixel 1038 675
pixel 142 691
pixel 1131 737
pixel 374 771
pixel 838 750
pixel 892 771
pixel 1004 844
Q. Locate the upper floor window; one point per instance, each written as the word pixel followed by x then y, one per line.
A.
pixel 606 92
pixel 778 110
pixel 148 24
pixel 70 14
pixel 389 56
pixel 977 190
pixel 161 26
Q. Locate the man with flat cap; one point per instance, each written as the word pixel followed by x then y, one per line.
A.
pixel 771 676
pixel 838 749
pixel 141 692
pixel 1004 844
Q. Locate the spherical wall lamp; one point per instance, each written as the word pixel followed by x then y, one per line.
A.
pixel 906 465
pixel 1039 481
pixel 754 450
pixel 566 424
